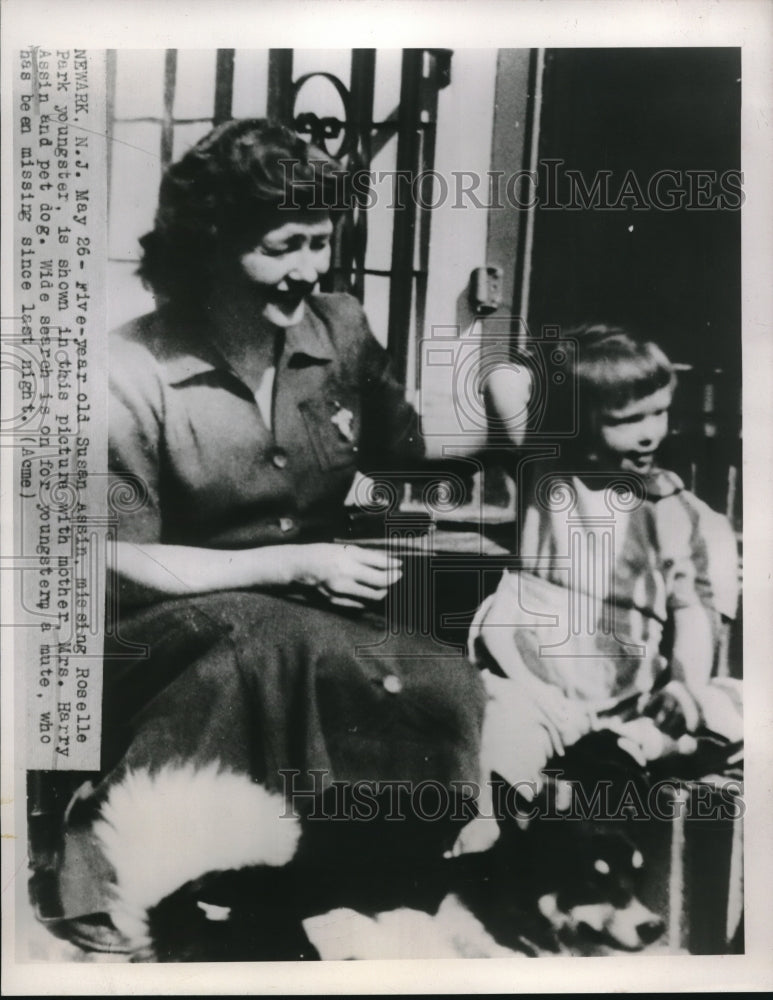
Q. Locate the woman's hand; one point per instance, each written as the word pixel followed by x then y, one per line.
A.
pixel 346 575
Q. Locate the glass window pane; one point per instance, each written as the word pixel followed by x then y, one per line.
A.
pixel 186 136
pixel 410 370
pixel 194 95
pixel 136 175
pixel 335 61
pixel 386 93
pixel 376 304
pixel 378 255
pixel 448 363
pixel 139 83
pixel 250 83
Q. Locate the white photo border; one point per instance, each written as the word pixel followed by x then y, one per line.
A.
pixel 455 23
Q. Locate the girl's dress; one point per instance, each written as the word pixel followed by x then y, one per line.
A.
pixel 604 561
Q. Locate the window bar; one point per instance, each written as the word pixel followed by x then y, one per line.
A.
pixel 167 124
pixel 224 86
pixel 405 214
pixel 439 74
pixel 280 85
pixel 523 256
pixel 363 77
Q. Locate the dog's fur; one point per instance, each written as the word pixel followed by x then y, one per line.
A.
pixel 559 884
pixel 163 830
pixel 556 886
pixel 244 887
pixel 570 875
pixel 452 932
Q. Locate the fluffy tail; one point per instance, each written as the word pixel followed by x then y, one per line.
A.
pixel 160 830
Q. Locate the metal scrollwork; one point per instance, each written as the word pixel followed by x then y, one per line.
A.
pixel 321 131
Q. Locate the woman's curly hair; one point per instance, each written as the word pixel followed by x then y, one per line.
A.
pixel 224 194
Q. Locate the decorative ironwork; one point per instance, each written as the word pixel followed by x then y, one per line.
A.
pixel 354 139
pixel 321 130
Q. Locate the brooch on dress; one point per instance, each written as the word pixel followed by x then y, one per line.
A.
pixel 343 419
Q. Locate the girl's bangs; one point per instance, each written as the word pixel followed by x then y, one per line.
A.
pixel 620 370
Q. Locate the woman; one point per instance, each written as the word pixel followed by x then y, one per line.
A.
pixel 243 643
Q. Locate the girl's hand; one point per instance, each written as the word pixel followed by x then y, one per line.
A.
pixel 568 718
pixel 674 709
pixel 565 719
pixel 347 575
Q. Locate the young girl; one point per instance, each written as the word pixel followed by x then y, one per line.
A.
pixel 612 617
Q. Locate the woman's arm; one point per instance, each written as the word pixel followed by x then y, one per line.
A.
pixel 507 391
pixel 346 574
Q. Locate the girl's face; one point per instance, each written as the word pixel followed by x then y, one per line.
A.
pixel 286 264
pixel 629 437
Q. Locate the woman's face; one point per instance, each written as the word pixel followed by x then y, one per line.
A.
pixel 287 263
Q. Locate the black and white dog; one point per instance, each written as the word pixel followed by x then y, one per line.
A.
pixel 258 884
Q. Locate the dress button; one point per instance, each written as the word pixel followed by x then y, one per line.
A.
pixel 279 458
pixel 286 523
pixel 392 684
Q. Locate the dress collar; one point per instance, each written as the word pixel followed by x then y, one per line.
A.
pixel 188 353
pixel 654 485
pixel 661 483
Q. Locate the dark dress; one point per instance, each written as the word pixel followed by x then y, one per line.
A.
pixel 274 686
